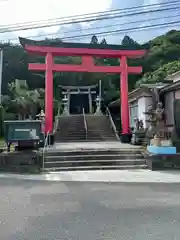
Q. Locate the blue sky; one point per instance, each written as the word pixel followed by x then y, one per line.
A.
pixel 45 9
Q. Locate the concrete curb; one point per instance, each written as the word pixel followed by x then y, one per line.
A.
pixel 105 176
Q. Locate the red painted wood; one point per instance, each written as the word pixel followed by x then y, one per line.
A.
pixel 49 94
pixel 87 61
pixel 83 68
pixel 42 50
pixel 124 96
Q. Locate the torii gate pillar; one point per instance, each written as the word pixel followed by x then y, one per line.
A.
pixel 49 94
pixel 124 99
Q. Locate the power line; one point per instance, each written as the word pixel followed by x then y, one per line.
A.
pixel 97 13
pixel 79 17
pixel 90 20
pixel 119 32
pixel 122 30
pixel 104 26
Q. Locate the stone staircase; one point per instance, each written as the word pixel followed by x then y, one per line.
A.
pixel 93 159
pixel 99 128
pixel 70 129
pixel 99 151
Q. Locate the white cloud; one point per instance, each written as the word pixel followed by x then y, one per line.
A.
pixel 19 11
pixel 146 2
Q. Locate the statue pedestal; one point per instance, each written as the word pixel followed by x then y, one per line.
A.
pixel 161 149
pixel 138 136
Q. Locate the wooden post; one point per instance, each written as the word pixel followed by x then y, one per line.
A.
pixel 124 98
pixel 49 94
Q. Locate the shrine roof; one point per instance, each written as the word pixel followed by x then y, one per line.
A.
pixel 78 87
pixel 145 90
pixel 58 43
pixel 170 87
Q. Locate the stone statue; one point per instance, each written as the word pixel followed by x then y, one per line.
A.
pixel 138 124
pixel 156 133
pixel 141 124
pixel 136 120
pixel 138 132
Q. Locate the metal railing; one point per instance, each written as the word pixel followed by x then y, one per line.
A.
pixel 56 124
pixel 112 123
pixel 57 119
pixel 85 122
pixel 46 144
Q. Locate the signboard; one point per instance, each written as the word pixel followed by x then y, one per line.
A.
pixel 22 131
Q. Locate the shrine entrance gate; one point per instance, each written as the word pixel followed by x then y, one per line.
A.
pixel 87 52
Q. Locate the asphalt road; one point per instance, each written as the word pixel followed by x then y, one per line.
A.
pixel 32 210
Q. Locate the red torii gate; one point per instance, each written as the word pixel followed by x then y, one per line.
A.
pixel 87 52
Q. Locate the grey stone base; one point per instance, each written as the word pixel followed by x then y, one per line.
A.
pixel 126 138
pixel 21 161
pixel 162 161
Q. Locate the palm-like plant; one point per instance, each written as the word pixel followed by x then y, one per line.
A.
pixel 24 100
pixel 18 90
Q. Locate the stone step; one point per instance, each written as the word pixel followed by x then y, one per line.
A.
pixel 91 157
pixel 86 168
pixel 107 137
pixel 83 163
pixel 96 152
pixel 70 131
pixel 100 132
pixel 65 140
pixel 78 134
pixel 83 136
pixel 68 136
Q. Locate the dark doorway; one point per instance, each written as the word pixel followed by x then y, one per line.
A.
pixel 177 116
pixel 78 102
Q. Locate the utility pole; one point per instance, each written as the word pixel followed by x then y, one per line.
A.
pixel 1 69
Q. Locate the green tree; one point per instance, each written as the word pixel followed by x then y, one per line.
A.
pixel 160 74
pixel 103 41
pixel 162 50
pixel 94 40
pixel 129 43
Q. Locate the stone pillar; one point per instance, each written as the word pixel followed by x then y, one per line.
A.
pixel 90 101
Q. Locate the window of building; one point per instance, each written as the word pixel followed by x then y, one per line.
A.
pixel 133 113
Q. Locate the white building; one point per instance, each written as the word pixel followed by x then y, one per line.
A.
pixel 141 98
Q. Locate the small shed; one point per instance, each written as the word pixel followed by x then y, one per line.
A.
pixel 171 96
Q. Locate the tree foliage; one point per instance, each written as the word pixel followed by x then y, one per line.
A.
pixel 160 74
pixel 162 58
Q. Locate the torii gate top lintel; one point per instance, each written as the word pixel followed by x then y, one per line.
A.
pixel 78 49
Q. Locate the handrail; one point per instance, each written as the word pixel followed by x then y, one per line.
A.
pixel 85 122
pixel 57 119
pixel 112 123
pixel 56 124
pixel 46 144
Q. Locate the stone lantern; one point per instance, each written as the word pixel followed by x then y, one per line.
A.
pixel 66 107
pixel 41 117
pixel 98 106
